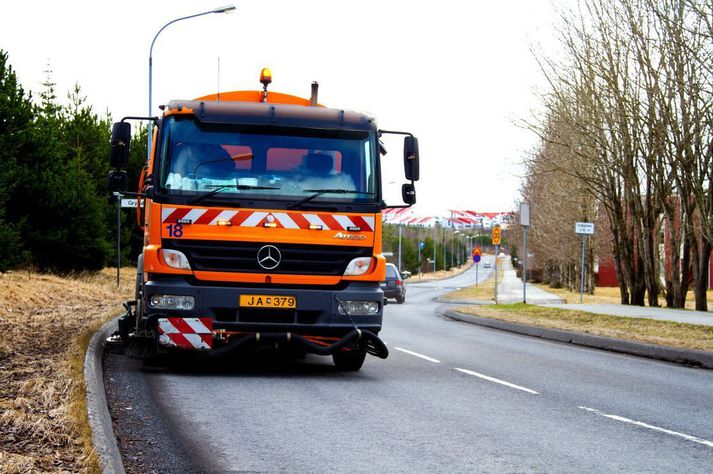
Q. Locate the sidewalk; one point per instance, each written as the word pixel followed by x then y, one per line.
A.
pixel 661 314
pixel 510 289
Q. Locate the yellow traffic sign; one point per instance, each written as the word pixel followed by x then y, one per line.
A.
pixel 476 251
pixel 496 235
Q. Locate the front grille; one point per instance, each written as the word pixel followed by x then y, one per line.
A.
pixel 222 256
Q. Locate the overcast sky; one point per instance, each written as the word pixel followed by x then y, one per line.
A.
pixel 457 74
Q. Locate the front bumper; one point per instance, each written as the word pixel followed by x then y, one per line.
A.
pixel 317 311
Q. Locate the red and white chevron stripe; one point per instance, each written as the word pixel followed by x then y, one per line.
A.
pixel 286 220
pixel 186 333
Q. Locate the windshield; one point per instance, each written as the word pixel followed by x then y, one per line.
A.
pixel 219 162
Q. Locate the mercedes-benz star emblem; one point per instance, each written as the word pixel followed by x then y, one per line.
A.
pixel 269 257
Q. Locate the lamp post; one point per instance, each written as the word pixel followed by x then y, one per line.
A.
pixel 445 243
pixel 399 247
pixel 452 245
pixel 225 9
pixel 435 268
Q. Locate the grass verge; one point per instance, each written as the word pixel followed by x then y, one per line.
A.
pixel 46 322
pixel 484 291
pixel 664 333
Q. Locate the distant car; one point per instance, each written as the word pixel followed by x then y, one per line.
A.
pixel 487 264
pixel 394 286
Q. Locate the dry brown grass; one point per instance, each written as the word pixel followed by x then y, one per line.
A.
pixel 611 295
pixel 665 333
pixel 45 323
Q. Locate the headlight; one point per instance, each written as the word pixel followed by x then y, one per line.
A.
pixel 359 308
pixel 358 266
pixel 172 302
pixel 175 259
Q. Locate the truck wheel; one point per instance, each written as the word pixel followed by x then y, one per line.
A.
pixel 348 361
pixel 400 299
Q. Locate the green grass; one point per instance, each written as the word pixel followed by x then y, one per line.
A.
pixel 666 333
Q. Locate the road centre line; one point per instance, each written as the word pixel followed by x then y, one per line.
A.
pixel 416 354
pixel 695 439
pixel 493 379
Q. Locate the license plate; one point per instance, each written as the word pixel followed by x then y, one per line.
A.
pixel 268 301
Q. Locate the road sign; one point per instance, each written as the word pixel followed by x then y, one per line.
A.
pixel 130 203
pixel 476 251
pixel 584 228
pixel 496 235
pixel 422 245
pixel 476 257
pixel 524 214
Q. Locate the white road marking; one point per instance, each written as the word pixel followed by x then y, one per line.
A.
pixel 430 359
pixel 493 379
pixel 704 442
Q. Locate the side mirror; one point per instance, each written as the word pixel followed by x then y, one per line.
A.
pixel 411 158
pixel 120 143
pixel 118 181
pixel 408 194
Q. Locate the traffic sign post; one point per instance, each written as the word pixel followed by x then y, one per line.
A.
pixel 584 229
pixel 525 223
pixel 476 259
pixel 496 242
pixel 119 205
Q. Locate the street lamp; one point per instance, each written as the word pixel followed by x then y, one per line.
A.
pixel 399 247
pixel 452 249
pixel 225 9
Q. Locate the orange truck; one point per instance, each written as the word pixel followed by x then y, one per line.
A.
pixel 261 215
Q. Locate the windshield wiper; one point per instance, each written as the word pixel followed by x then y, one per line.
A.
pixel 319 192
pixel 220 187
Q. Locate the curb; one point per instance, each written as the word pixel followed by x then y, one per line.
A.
pixel 669 354
pixel 97 410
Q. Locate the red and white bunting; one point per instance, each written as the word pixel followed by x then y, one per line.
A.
pixel 186 333
pixel 286 220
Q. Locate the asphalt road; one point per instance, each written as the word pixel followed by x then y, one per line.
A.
pixel 452 397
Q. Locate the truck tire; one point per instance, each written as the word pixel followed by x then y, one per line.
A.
pixel 348 361
pixel 400 299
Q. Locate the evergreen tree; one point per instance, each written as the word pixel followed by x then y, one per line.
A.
pixel 54 200
pixel 15 141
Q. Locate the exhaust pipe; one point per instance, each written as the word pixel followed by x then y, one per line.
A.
pixel 313 97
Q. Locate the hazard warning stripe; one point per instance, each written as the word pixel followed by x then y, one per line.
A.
pixel 186 333
pixel 176 214
pixel 286 220
pixel 208 216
